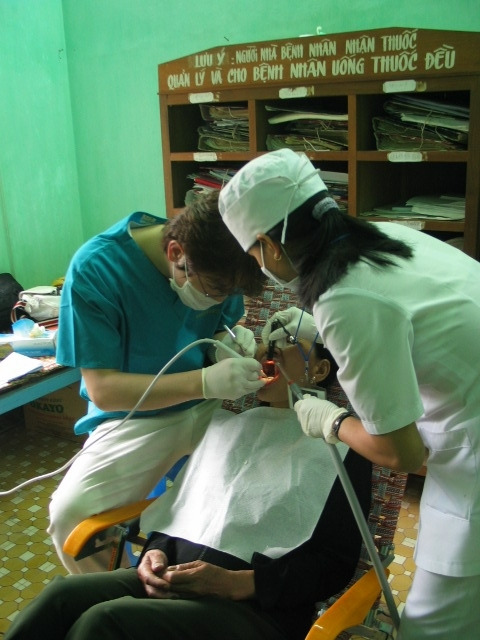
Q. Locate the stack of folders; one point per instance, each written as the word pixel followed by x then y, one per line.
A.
pixel 226 128
pixel 207 179
pixel 307 130
pixel 418 124
pixel 433 207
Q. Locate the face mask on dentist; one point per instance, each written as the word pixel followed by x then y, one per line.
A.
pixel 291 284
pixel 190 296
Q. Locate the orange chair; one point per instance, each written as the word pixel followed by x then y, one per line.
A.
pixel 349 611
pixel 111 528
pixel 347 614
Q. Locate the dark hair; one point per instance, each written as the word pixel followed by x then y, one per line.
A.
pixel 322 353
pixel 211 250
pixel 322 249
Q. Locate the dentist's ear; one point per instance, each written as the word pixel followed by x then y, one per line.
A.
pixel 174 251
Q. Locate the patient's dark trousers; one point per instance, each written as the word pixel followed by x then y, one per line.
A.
pixel 113 606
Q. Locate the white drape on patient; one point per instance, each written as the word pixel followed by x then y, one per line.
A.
pixel 254 483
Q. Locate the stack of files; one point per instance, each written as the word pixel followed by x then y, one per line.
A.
pixel 308 130
pixel 337 185
pixel 433 207
pixel 392 135
pixel 224 112
pixel 226 128
pixel 207 179
pixel 414 124
pixel 432 113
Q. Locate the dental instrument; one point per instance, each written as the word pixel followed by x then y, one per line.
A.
pixel 358 514
pixel 269 367
pixel 63 468
pixel 234 338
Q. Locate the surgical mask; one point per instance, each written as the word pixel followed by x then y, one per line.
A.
pixel 190 296
pixel 291 284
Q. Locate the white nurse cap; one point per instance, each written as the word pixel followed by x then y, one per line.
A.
pixel 263 192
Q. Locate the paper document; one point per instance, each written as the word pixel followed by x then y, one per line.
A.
pixel 17 365
pixel 434 207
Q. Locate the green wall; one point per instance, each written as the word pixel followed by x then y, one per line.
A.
pixel 80 133
pixel 40 217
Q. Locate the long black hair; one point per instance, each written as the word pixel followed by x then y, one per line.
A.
pixel 322 242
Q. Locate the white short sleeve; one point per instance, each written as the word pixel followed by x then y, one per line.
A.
pixel 371 338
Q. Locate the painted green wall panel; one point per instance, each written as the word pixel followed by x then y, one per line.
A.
pixel 39 203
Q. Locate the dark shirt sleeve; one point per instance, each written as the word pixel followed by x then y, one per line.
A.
pixel 164 543
pixel 325 563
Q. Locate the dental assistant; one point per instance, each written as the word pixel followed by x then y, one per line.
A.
pixel 134 296
pixel 400 312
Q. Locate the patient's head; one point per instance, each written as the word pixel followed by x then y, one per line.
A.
pixel 305 365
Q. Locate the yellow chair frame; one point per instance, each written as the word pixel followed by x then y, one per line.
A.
pixel 116 526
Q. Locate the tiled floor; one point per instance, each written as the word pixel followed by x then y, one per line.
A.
pixel 27 558
pixel 403 566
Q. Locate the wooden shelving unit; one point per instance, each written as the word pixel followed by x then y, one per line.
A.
pixel 353 73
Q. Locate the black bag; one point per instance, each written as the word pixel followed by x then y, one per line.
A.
pixel 9 290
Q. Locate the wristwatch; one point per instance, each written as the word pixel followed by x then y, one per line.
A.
pixel 338 423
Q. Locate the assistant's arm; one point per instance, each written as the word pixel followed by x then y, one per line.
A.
pixel 401 450
pixel 376 359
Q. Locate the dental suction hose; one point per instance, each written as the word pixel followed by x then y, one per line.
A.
pixel 51 474
pixel 358 514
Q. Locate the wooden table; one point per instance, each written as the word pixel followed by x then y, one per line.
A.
pixel 28 388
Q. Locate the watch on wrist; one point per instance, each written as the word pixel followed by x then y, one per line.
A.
pixel 338 423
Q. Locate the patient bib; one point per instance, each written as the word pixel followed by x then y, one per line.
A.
pixel 254 483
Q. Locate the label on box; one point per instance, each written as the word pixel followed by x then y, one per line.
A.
pixel 34 347
pixel 56 414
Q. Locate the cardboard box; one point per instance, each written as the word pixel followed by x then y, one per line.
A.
pixel 36 347
pixel 56 413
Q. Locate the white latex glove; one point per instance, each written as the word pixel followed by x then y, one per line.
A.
pixel 317 417
pixel 290 319
pixel 244 343
pixel 232 378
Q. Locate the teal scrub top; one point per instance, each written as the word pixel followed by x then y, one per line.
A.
pixel 119 312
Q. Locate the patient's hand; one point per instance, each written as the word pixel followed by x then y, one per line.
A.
pixel 198 578
pixel 151 570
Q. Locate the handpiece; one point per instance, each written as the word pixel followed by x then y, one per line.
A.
pixel 269 366
pixel 295 389
pixel 271 343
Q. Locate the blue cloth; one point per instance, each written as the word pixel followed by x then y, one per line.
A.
pixel 119 312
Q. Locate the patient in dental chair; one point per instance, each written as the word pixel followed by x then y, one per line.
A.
pixel 255 530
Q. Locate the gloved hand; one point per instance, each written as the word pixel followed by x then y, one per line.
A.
pixel 290 319
pixel 232 378
pixel 317 417
pixel 244 343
